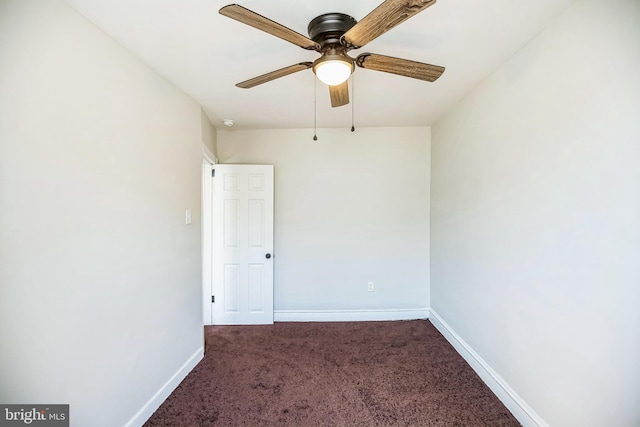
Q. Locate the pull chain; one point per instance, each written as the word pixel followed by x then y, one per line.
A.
pixel 315 108
pixel 353 102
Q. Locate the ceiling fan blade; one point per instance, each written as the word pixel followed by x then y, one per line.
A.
pixel 383 18
pixel 274 75
pixel 246 16
pixel 339 94
pixel 401 67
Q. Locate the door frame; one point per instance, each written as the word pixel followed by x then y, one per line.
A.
pixel 208 161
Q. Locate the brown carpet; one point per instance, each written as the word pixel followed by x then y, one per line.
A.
pixel 331 374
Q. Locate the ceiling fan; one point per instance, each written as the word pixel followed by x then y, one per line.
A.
pixel 333 35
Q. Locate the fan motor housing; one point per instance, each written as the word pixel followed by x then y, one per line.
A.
pixel 328 28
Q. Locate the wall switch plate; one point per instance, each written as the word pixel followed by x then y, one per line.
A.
pixel 187 216
pixel 370 287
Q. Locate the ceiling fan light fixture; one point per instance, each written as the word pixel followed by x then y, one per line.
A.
pixel 333 69
pixel 333 35
pixel 333 72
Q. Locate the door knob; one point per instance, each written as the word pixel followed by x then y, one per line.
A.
pixel 268 256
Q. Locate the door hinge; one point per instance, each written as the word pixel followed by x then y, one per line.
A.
pixel 213 173
pixel 213 298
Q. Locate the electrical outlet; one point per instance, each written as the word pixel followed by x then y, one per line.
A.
pixel 370 287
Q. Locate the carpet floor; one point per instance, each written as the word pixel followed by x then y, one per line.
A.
pixel 331 374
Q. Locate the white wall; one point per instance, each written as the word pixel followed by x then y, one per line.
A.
pixel 99 275
pixel 349 208
pixel 535 232
pixel 209 134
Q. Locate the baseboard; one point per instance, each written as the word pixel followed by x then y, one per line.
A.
pixel 514 403
pixel 161 395
pixel 350 315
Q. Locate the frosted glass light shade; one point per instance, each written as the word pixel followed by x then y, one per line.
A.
pixel 333 72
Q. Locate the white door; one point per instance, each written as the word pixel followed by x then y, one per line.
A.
pixel 243 244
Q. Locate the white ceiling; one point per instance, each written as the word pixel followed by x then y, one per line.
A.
pixel 205 54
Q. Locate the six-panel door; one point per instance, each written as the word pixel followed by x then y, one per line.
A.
pixel 243 244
